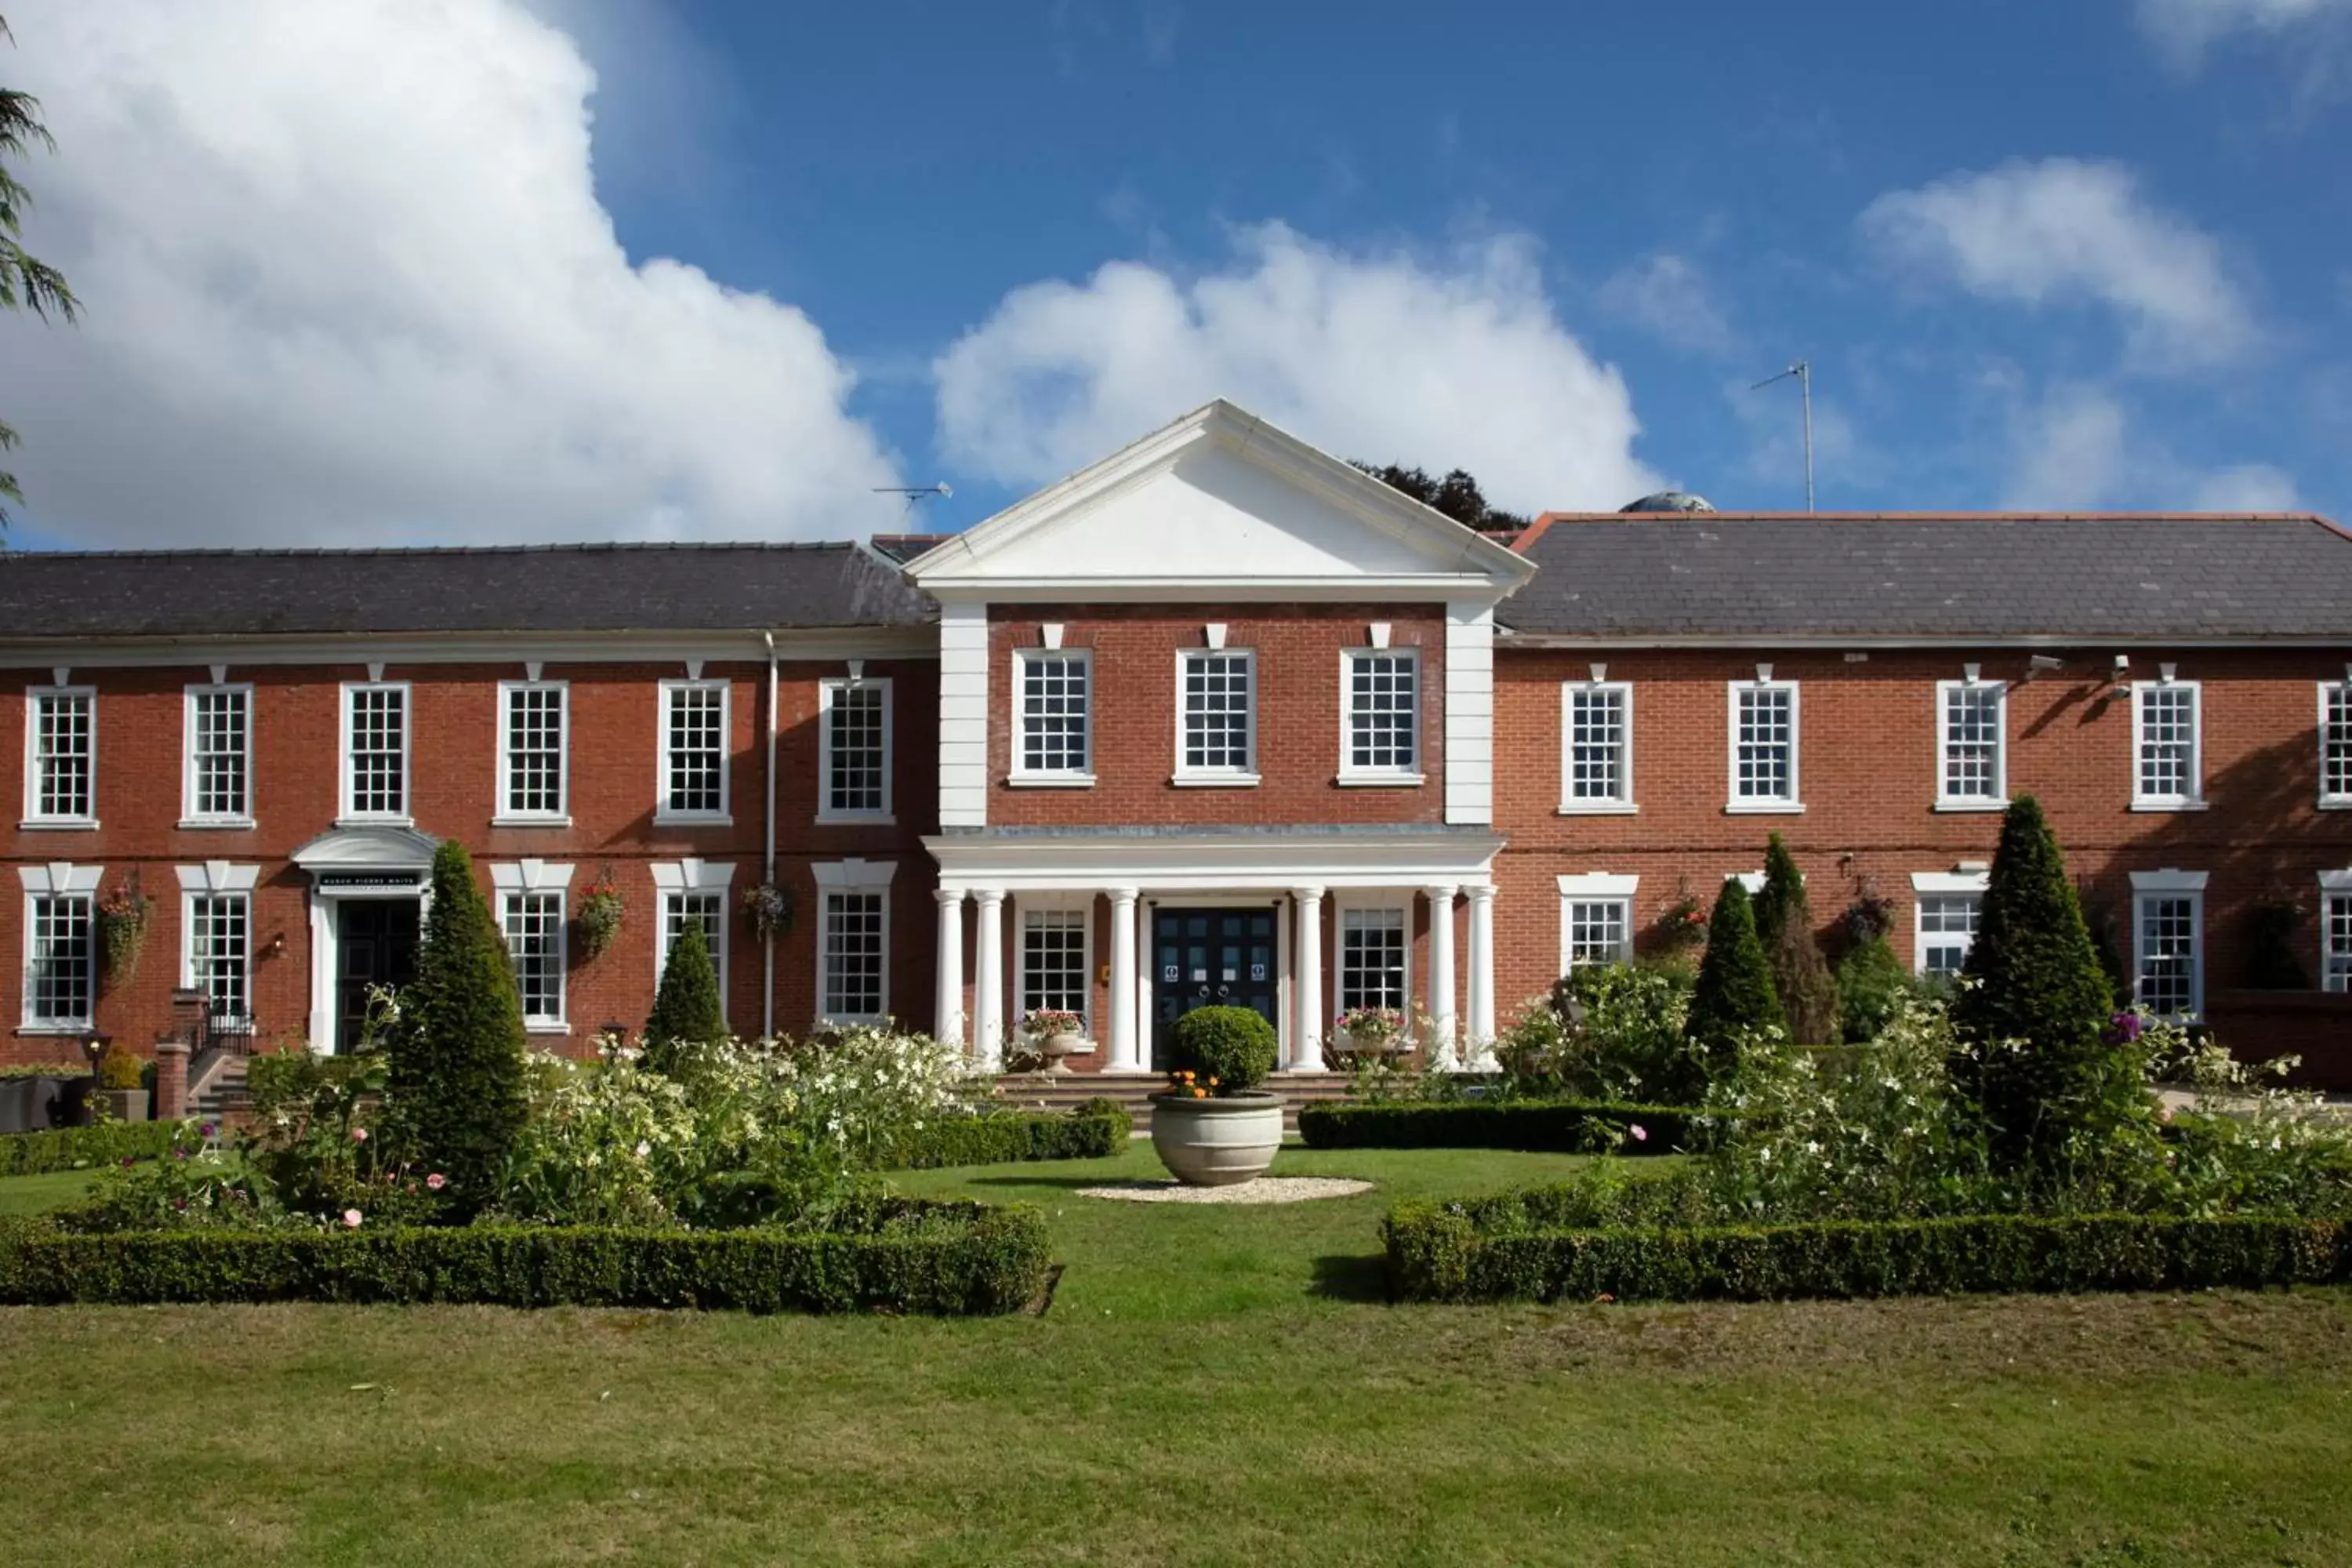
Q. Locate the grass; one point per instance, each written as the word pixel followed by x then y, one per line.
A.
pixel 1211 1386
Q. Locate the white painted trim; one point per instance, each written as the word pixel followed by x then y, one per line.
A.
pixel 1620 805
pixel 1597 888
pixel 190 816
pixel 1926 885
pixel 502 811
pixel 862 875
pixel 1470 712
pixel 2326 688
pixel 694 876
pixel 1245 776
pixel 2194 800
pixel 529 878
pixel 1374 900
pixel 34 696
pixel 1039 901
pixel 1348 773
pixel 1936 883
pixel 49 880
pixel 1269 863
pixel 1945 799
pixel 1763 805
pixel 406 813
pixel 663 815
pixel 824 645
pixel 2170 881
pixel 827 689
pixel 2332 885
pixel 216 879
pixel 1019 772
pixel 1752 882
pixel 2169 885
pixel 963 715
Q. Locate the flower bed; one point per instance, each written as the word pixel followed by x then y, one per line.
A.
pixel 1447 1253
pixel 890 1255
pixel 77 1148
pixel 1091 1132
pixel 1563 1126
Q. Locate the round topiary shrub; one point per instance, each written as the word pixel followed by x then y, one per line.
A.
pixel 1227 1049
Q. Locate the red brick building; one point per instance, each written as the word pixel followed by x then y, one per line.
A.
pixel 1217 717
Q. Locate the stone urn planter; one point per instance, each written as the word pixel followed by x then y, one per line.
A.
pixel 1218 1141
pixel 1057 1050
pixel 126 1104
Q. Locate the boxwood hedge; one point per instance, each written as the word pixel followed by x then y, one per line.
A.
pixel 1091 1132
pixel 1438 1253
pixel 1552 1127
pixel 75 1148
pixel 891 1257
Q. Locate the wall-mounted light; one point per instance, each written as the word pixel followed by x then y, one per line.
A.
pixel 2041 664
pixel 277 945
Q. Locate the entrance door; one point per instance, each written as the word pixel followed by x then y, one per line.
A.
pixel 1210 958
pixel 376 938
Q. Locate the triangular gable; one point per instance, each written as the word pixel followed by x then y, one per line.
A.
pixel 1220 504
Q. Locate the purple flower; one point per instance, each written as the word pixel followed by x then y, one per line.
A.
pixel 2123 1028
pixel 179 1153
pixel 208 1129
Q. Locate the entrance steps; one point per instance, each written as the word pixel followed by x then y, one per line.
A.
pixel 1060 1091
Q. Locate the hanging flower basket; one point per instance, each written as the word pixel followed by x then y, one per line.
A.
pixel 122 915
pixel 600 916
pixel 768 909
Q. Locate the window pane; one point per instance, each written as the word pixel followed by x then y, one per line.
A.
pixel 1217 710
pixel 698 716
pixel 61 754
pixel 1053 711
pixel 217 954
pixel 1947 929
pixel 2168 953
pixel 853 955
pixel 2168 742
pixel 1596 932
pixel 220 751
pixel 534 925
pixel 1765 753
pixel 2335 744
pixel 58 969
pixel 1381 698
pixel 535 721
pixel 1054 960
pixel 1972 736
pixel 1596 744
pixel 2335 921
pixel 860 749
pixel 379 742
pixel 1372 959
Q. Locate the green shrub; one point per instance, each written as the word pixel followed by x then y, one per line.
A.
pixel 118 1070
pixel 890 1255
pixel 85 1148
pixel 1734 995
pixel 1094 1130
pixel 1561 1127
pixel 1228 1050
pixel 1629 1045
pixel 457 1083
pixel 282 1080
pixel 1800 977
pixel 1872 985
pixel 1436 1252
pixel 687 1006
pixel 44 1069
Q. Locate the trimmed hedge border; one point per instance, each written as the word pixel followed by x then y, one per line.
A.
pixel 962 1259
pixel 84 1148
pixel 1093 1131
pixel 1436 1254
pixel 1543 1127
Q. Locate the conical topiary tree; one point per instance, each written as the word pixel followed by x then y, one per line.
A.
pixel 686 1008
pixel 2034 977
pixel 1800 976
pixel 455 1094
pixel 1735 984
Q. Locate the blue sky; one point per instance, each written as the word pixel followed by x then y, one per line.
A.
pixel 474 268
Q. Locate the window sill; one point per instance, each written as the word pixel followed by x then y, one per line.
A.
pixel 59 824
pixel 1764 809
pixel 1965 806
pixel 53 1031
pixel 376 822
pixel 693 819
pixel 1598 808
pixel 1049 780
pixel 2165 806
pixel 217 825
pixel 2336 803
pixel 1215 781
pixel 1381 780
pixel 530 821
pixel 545 1026
pixel 855 819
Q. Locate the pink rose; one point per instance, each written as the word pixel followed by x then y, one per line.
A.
pixel 436 1180
pixel 359 1134
pixel 1641 1133
pixel 350 1219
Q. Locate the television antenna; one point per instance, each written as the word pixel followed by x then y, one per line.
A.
pixel 915 493
pixel 1804 372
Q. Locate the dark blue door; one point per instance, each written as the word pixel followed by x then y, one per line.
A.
pixel 1210 958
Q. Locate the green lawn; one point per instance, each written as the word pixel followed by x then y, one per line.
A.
pixel 1211 1386
pixel 31 1195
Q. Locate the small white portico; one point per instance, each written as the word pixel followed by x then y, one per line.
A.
pixel 1162 882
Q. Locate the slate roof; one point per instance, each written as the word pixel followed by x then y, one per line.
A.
pixel 564 588
pixel 2069 576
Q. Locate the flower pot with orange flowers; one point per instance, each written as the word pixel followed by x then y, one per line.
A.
pixel 1213 1126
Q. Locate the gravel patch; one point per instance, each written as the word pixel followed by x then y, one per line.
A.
pixel 1263 1190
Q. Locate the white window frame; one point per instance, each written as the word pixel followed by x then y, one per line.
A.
pixel 663 812
pixel 852 877
pixel 2194 800
pixel 1228 776
pixel 34 815
pixel 503 814
pixel 539 879
pixel 1019 772
pixel 407 815
pixel 191 797
pixel 1791 803
pixel 1927 885
pixel 2329 689
pixel 216 879
pixel 57 880
pixel 2149 886
pixel 1621 804
pixel 675 877
pixel 1597 888
pixel 2333 885
pixel 1370 900
pixel 1348 773
pixel 1945 799
pixel 1023 906
pixel 827 689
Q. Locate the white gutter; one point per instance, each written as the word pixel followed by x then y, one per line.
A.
pixel 767 862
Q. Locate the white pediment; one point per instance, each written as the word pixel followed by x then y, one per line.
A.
pixel 370 847
pixel 1219 505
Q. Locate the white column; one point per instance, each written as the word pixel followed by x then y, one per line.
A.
pixel 1124 1055
pixel 1306 943
pixel 1441 974
pixel 1482 977
pixel 988 981
pixel 947 1027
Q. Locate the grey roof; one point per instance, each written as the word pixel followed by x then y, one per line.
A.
pixel 566 588
pixel 2073 577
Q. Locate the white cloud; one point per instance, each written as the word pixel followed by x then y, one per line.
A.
pixel 2066 231
pixel 2078 450
pixel 1378 355
pixel 2249 487
pixel 2187 29
pixel 1669 296
pixel 347 280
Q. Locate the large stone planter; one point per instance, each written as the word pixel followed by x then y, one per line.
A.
pixel 126 1104
pixel 1216 1143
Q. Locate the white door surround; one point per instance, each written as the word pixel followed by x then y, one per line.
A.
pixel 376 861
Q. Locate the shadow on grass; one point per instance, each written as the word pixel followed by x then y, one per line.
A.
pixel 1358 1280
pixel 1069 1183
